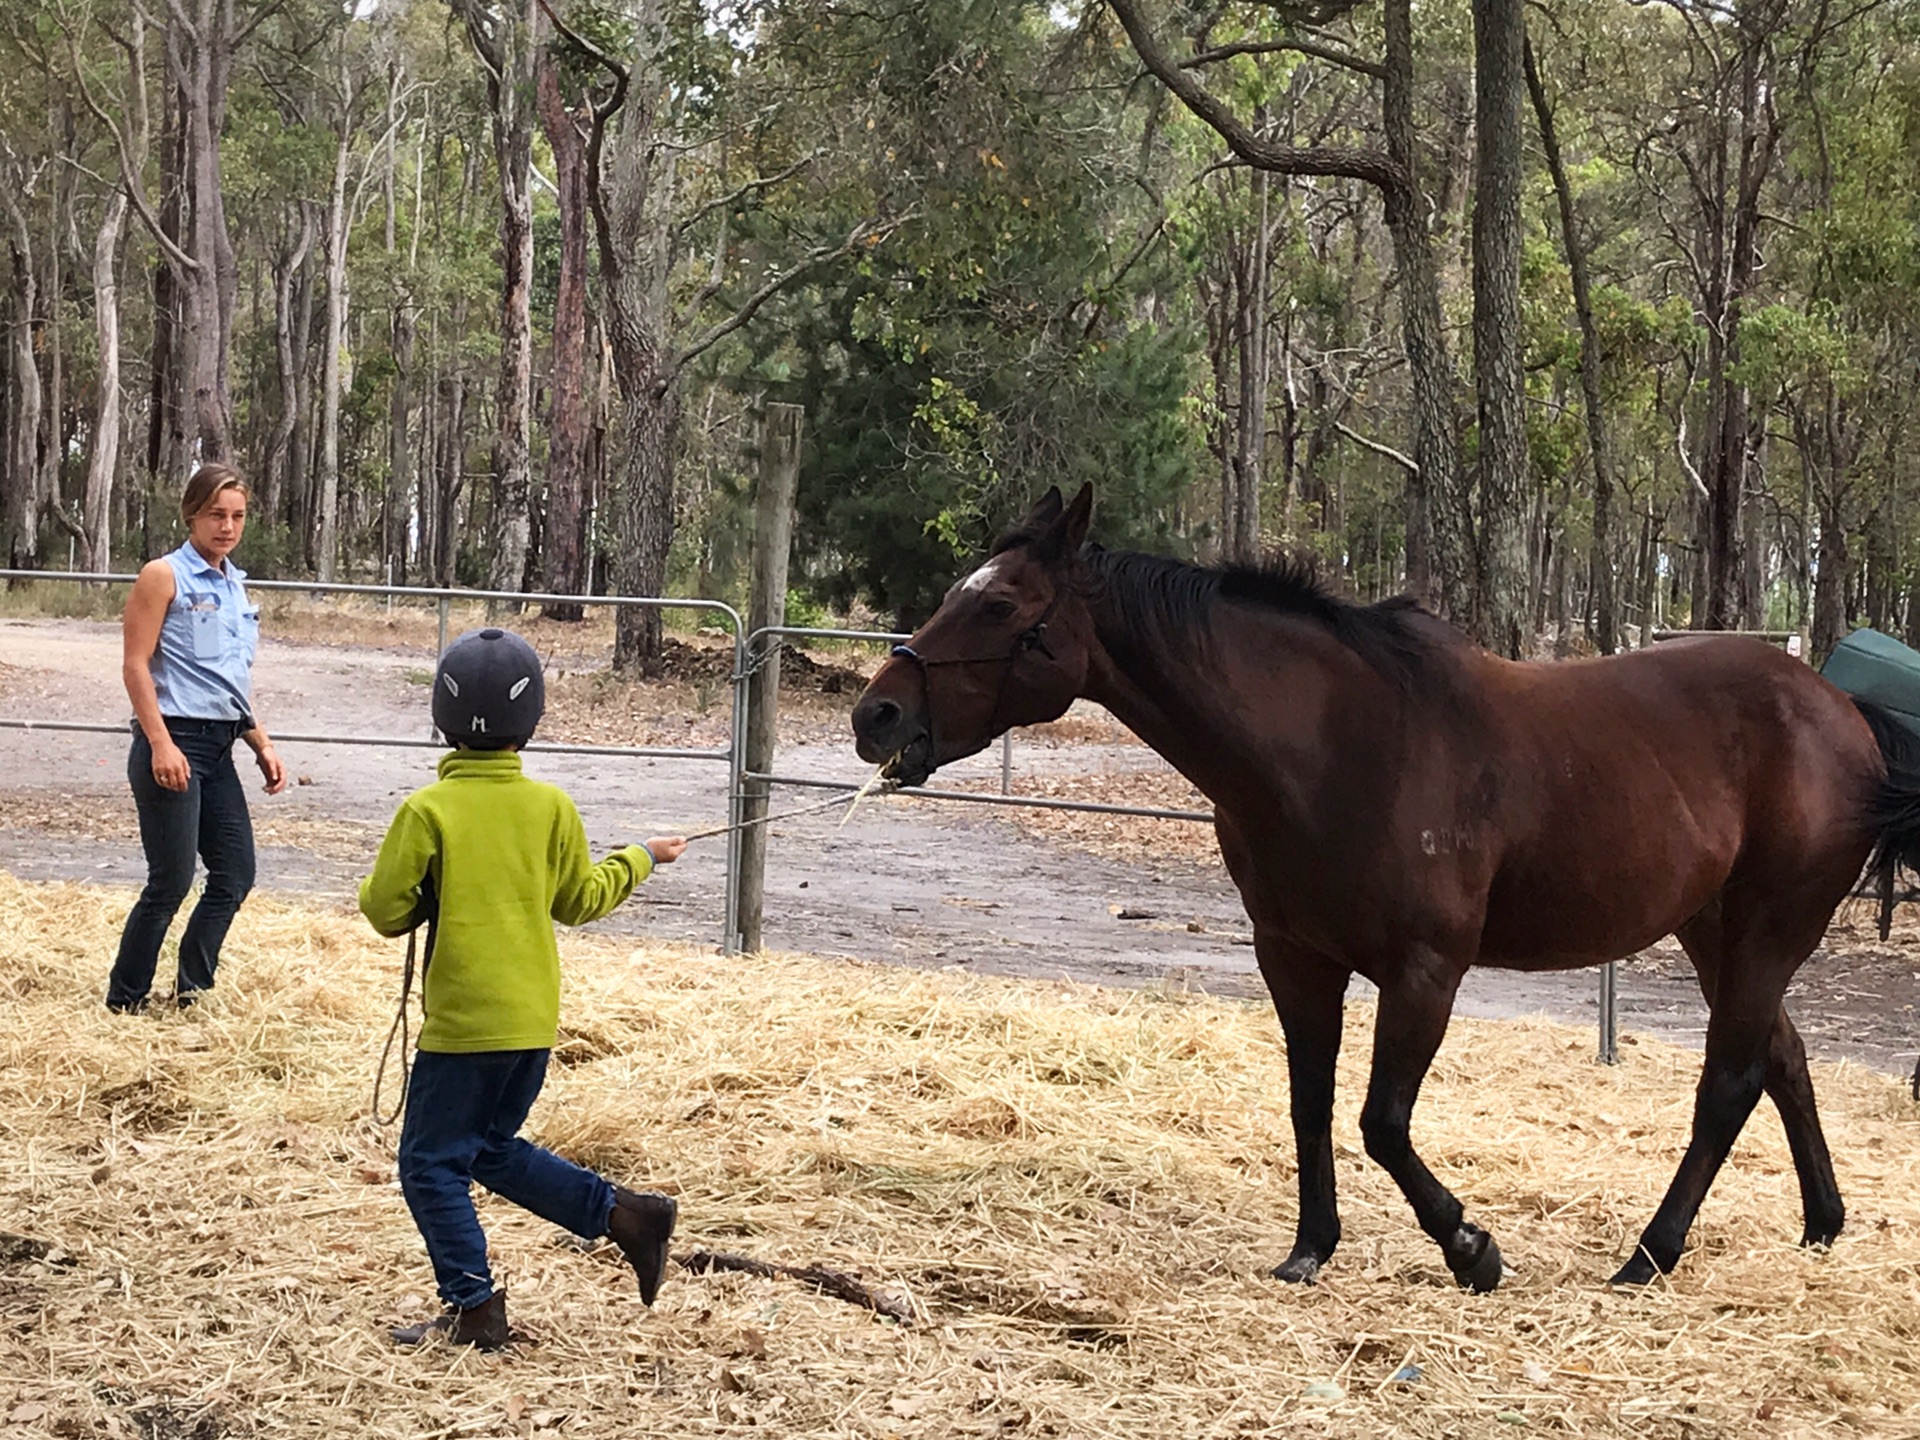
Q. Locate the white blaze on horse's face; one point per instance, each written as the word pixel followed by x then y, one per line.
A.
pixel 981 578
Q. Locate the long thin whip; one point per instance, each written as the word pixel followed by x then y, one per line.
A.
pixel 827 804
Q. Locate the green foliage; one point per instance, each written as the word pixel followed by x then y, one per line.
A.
pixel 993 348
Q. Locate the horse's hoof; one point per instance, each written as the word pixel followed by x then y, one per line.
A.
pixel 1822 1233
pixel 1640 1270
pixel 1482 1274
pixel 1298 1270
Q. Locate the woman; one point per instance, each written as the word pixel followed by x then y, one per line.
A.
pixel 189 636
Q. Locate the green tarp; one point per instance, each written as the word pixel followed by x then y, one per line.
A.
pixel 1876 667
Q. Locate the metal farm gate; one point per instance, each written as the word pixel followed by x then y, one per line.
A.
pixel 754 675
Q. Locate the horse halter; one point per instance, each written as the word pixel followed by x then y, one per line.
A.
pixel 1034 637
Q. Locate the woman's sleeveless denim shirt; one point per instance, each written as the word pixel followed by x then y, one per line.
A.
pixel 203 669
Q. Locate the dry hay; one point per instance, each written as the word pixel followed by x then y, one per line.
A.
pixel 1078 1190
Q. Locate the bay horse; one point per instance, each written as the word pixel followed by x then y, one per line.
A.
pixel 1392 800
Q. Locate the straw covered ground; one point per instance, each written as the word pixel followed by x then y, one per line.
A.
pixel 1077 1192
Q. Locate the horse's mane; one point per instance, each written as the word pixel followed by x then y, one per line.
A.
pixel 1153 594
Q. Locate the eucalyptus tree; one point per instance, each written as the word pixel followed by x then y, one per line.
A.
pixel 24 178
pixel 670 164
pixel 1033 324
pixel 1442 558
pixel 502 33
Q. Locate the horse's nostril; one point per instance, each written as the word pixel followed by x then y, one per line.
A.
pixel 881 717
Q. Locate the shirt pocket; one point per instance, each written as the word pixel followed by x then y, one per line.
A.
pixel 249 626
pixel 204 625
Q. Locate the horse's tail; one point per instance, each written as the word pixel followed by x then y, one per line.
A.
pixel 1894 812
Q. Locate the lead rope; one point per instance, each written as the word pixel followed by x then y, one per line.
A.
pixel 402 1029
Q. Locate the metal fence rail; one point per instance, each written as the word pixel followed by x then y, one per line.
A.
pixel 751 652
pixel 444 598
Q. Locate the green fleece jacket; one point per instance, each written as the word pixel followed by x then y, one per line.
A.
pixel 506 856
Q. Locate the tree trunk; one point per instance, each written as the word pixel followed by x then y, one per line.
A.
pixel 452 477
pixel 19 506
pixel 564 548
pixel 333 339
pixel 300 490
pixel 396 512
pixel 1499 28
pixel 1602 606
pixel 289 350
pixel 1830 581
pixel 504 40
pixel 1240 530
pixel 1440 563
pixel 169 448
pixel 1728 445
pixel 103 460
pixel 635 248
pixel 647 446
pixel 201 54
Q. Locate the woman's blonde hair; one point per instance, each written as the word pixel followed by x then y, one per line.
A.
pixel 207 482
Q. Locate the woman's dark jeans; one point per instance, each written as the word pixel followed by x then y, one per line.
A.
pixel 210 817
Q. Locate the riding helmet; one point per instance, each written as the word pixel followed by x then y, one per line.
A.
pixel 487 691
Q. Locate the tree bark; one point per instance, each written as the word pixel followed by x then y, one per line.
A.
pixel 104 457
pixel 564 550
pixel 289 350
pixel 503 39
pixel 1499 379
pixel 1439 520
pixel 1440 563
pixel 396 512
pixel 327 542
pixel 169 447
pixel 1602 606
pixel 1240 529
pixel 201 51
pixel 19 507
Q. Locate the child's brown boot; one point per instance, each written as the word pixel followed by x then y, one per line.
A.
pixel 484 1326
pixel 641 1224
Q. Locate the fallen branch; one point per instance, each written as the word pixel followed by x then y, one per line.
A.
pixel 832 1282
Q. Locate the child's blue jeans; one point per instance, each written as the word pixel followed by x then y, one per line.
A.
pixel 464 1113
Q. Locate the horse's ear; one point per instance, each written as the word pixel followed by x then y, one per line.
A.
pixel 1045 510
pixel 1073 525
pixel 1065 530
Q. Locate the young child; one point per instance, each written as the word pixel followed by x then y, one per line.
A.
pixel 490 859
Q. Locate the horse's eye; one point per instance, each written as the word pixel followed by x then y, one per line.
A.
pixel 997 610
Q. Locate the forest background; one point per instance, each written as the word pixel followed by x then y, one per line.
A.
pixel 1572 318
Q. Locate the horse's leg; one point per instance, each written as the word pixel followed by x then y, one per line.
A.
pixel 1790 1088
pixel 1411 1023
pixel 1307 993
pixel 1750 951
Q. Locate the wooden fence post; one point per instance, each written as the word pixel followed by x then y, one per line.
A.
pixel 766 605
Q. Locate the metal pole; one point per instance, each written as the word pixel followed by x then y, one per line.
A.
pixel 1006 763
pixel 766 608
pixel 439 649
pixel 736 796
pixel 1609 1006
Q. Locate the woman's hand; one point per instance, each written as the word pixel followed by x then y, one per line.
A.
pixel 269 761
pixel 666 849
pixel 170 768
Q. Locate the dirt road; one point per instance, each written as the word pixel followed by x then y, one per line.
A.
pixel 909 881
